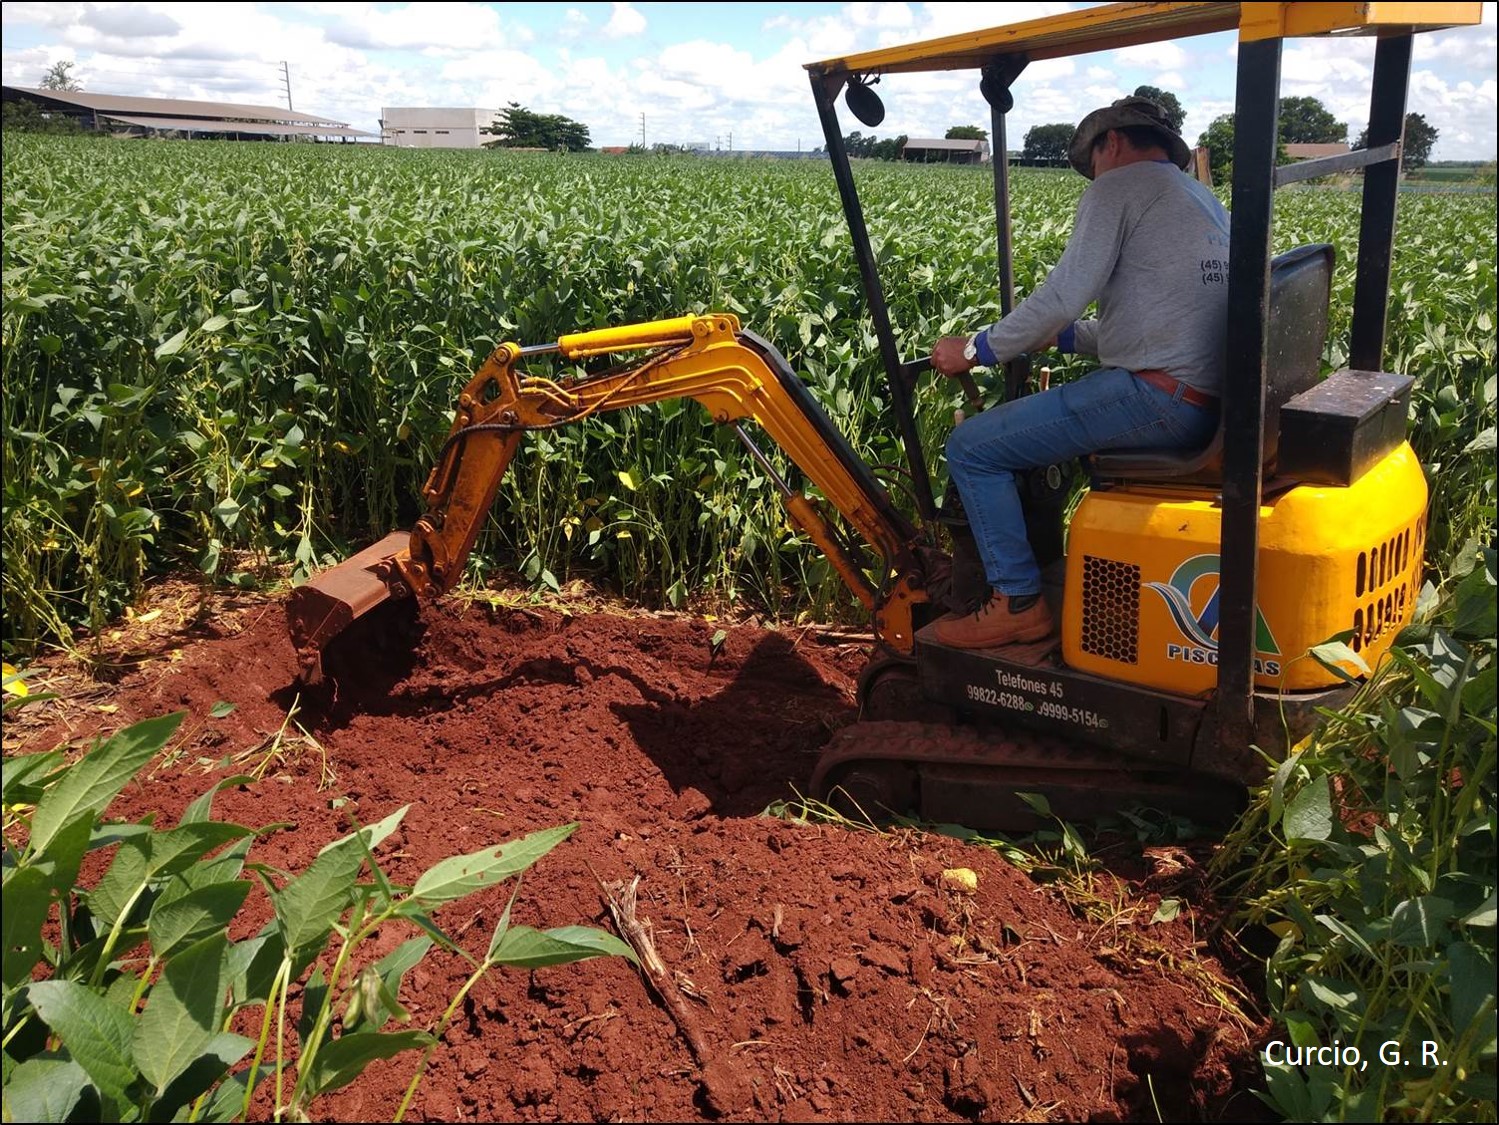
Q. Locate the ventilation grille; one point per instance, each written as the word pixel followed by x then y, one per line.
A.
pixel 1111 609
pixel 1386 581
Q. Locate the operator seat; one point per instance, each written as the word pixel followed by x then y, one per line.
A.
pixel 1295 332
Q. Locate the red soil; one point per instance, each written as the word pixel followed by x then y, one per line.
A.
pixel 836 976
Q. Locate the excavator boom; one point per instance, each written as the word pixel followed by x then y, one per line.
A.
pixel 735 375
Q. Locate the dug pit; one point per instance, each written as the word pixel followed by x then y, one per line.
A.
pixel 831 973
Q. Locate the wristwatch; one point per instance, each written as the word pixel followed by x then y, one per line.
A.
pixel 971 351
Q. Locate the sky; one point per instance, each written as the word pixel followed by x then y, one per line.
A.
pixel 724 75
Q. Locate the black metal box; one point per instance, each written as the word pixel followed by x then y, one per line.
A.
pixel 1339 429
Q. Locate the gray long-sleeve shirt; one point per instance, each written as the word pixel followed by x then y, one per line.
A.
pixel 1150 245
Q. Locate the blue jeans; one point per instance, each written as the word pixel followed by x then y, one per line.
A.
pixel 1106 409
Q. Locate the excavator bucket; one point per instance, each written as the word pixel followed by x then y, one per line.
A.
pixel 319 611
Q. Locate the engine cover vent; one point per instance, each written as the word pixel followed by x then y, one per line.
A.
pixel 1111 609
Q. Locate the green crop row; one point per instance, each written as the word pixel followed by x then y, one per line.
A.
pixel 222 355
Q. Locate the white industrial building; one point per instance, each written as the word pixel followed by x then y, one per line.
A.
pixel 435 127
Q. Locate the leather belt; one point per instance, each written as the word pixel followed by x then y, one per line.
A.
pixel 1161 381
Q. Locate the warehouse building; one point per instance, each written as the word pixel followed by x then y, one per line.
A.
pixel 932 149
pixel 435 126
pixel 120 113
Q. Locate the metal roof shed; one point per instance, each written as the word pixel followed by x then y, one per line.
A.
pixel 182 115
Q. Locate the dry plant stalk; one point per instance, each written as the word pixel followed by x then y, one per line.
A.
pixel 620 897
pixel 724 1083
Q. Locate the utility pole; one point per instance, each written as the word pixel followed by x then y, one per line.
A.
pixel 286 81
pixel 731 142
pixel 642 130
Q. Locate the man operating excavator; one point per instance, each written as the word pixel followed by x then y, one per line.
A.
pixel 1150 246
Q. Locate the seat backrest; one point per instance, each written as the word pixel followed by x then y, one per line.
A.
pixel 1295 333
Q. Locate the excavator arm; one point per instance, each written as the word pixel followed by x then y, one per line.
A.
pixel 733 374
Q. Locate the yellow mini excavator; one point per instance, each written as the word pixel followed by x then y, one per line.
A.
pixel 1193 585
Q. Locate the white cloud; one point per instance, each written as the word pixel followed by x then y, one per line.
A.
pixel 347 60
pixel 1464 114
pixel 1153 56
pixel 575 25
pixel 426 26
pixel 624 22
pixel 882 16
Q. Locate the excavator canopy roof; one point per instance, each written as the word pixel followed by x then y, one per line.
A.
pixel 1108 26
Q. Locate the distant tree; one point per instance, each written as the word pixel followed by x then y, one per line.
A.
pixel 58 78
pixel 23 116
pixel 518 127
pixel 967 133
pixel 857 144
pixel 1048 142
pixel 1420 135
pixel 1306 121
pixel 1167 101
pixel 1218 139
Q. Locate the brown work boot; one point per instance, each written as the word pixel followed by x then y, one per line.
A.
pixel 994 624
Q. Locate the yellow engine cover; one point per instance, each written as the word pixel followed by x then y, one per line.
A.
pixel 1142 579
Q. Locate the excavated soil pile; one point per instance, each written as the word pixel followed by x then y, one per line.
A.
pixel 831 974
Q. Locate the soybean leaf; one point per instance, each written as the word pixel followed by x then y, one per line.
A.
pixel 1348 934
pixel 1037 802
pixel 1309 815
pixel 344 1059
pixel 1278 786
pixel 1472 984
pixel 64 855
pixel 1332 655
pixel 120 887
pixel 1167 911
pixel 1476 604
pixel 96 1033
pixel 97 779
pixel 1417 923
pixel 172 346
pixel 253 964
pixel 222 868
pixel 374 834
pixel 183 1013
pixel 43 1088
pixel 24 902
pixel 1336 996
pixel 214 323
pixel 227 510
pixel 198 1077
pixel 227 1101
pixel 526 948
pixel 28 770
pixel 178 848
pixel 461 875
pixel 1485 914
pixel 176 924
pixel 307 907
pixel 202 808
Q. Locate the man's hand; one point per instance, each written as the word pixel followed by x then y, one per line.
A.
pixel 947 355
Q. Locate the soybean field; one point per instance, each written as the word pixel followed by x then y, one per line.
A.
pixel 218 356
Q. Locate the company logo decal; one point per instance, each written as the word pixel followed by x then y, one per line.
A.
pixel 1192 598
